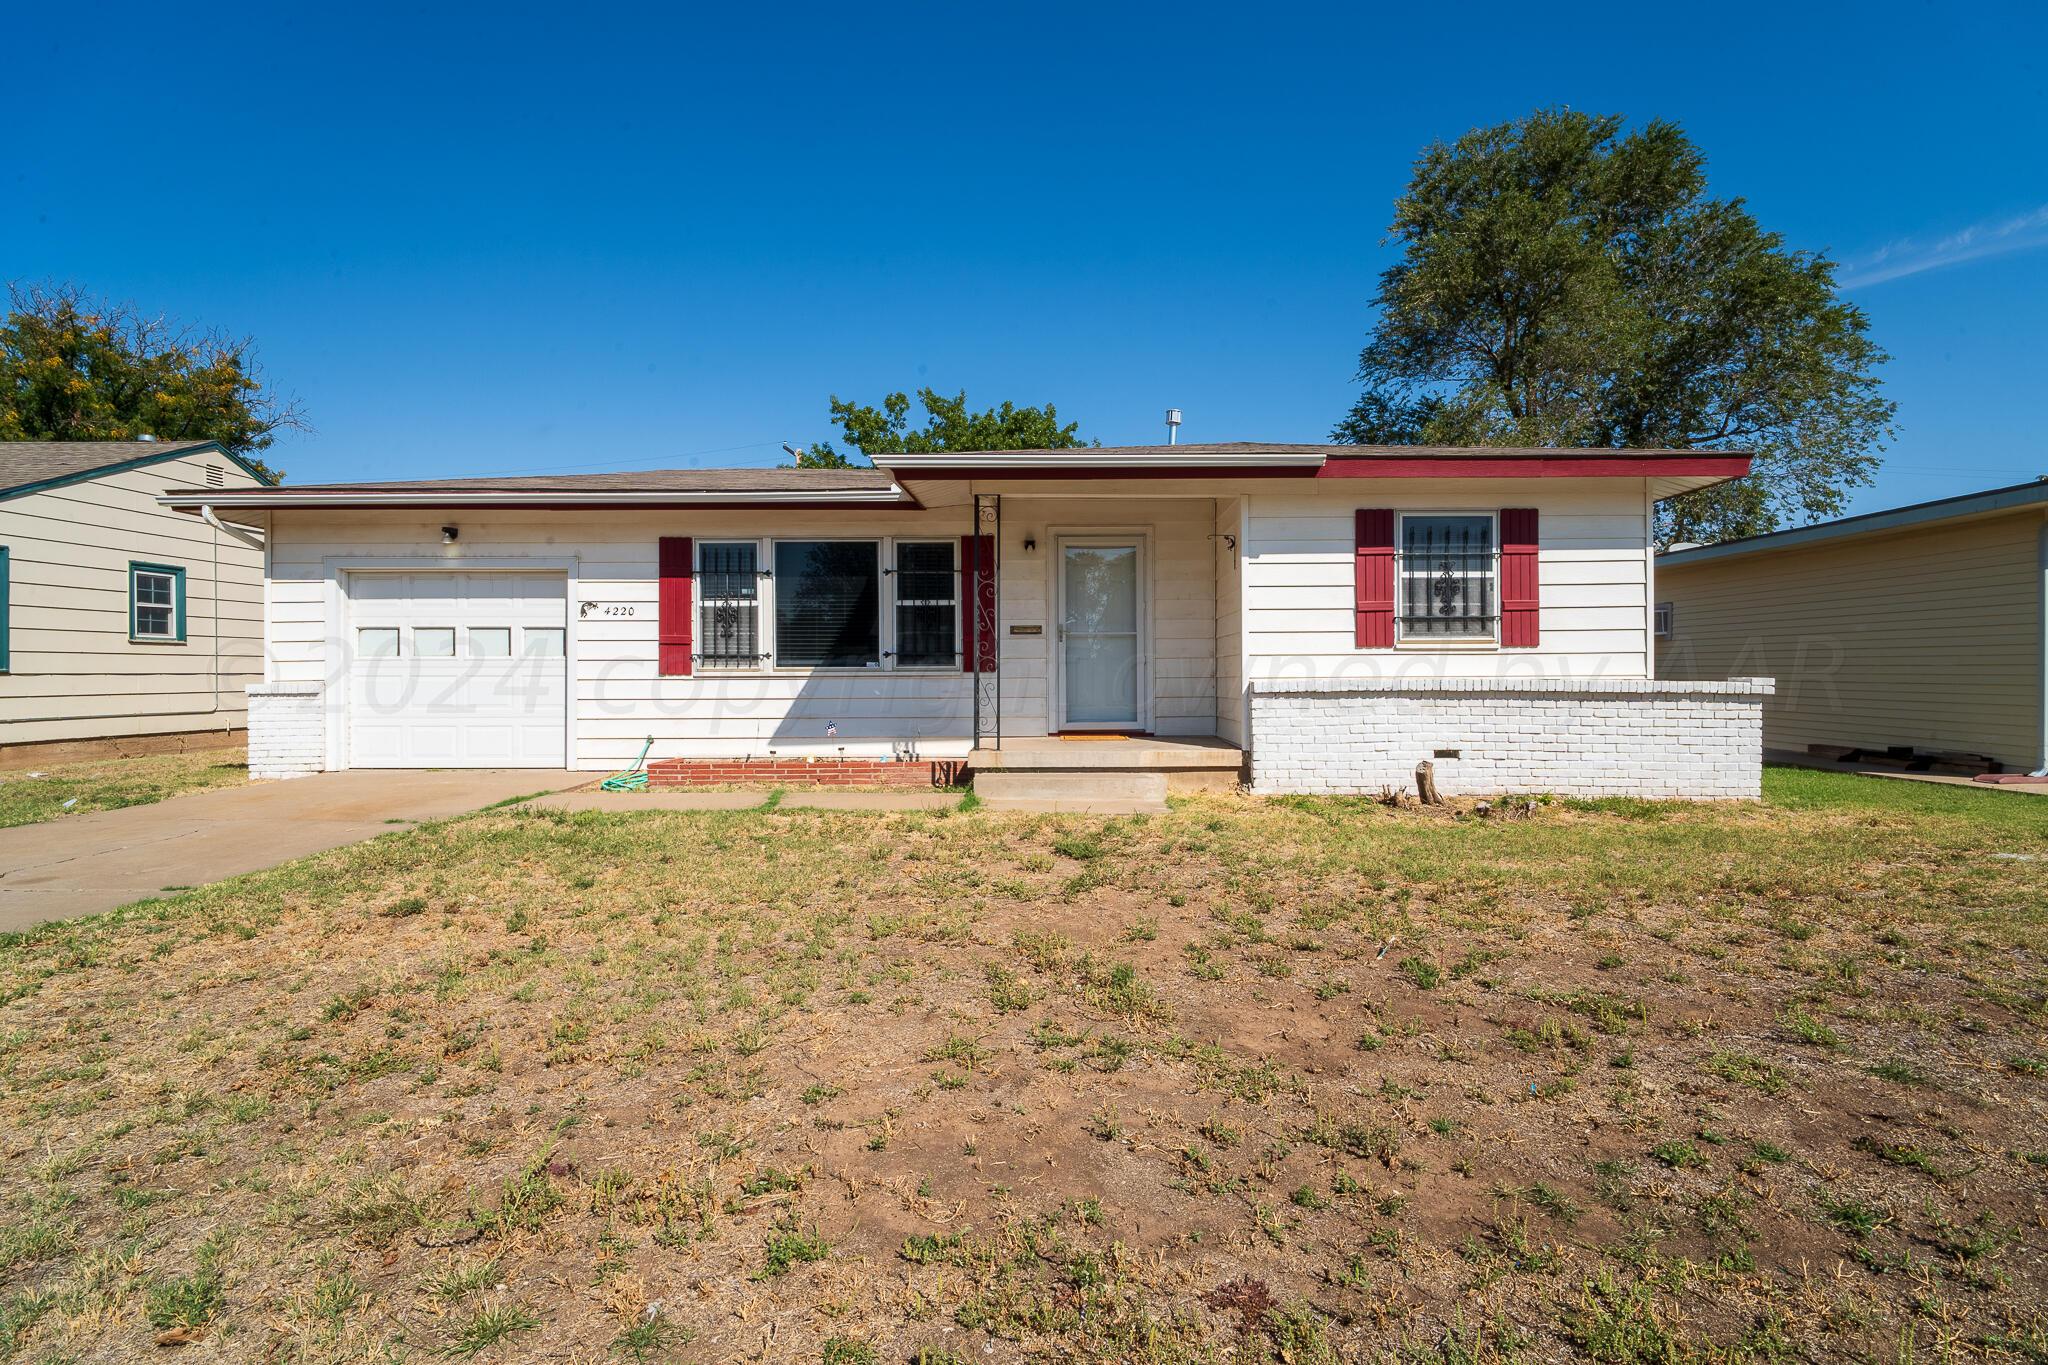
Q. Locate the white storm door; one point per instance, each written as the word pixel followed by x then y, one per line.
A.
pixel 1101 634
pixel 457 670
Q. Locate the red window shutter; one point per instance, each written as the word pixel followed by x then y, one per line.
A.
pixel 1373 599
pixel 677 607
pixel 977 601
pixel 1520 610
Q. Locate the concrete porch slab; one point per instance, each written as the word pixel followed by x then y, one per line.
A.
pixel 1146 753
pixel 87 863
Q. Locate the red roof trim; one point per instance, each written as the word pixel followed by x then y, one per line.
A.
pixel 1705 464
pixel 994 474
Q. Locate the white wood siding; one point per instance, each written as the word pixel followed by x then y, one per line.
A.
pixel 1592 567
pixel 1232 717
pixel 1181 587
pixel 1279 606
pixel 1928 636
pixel 74 672
pixel 618 699
pixel 616 695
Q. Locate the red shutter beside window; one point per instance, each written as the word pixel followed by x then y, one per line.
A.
pixel 1520 609
pixel 676 606
pixel 1373 588
pixel 977 601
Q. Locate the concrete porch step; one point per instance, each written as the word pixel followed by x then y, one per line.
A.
pixel 1096 792
pixel 1186 764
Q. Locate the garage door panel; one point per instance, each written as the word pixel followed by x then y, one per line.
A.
pixel 492 702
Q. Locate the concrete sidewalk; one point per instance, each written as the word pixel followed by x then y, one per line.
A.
pixel 591 798
pixel 88 863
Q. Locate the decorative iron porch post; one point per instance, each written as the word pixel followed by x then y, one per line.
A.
pixel 984 603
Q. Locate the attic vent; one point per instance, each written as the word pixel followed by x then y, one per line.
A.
pixel 215 476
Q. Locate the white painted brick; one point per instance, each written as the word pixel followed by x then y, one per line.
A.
pixel 1615 737
pixel 287 729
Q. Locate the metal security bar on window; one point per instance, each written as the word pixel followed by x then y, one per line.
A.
pixel 1449 578
pixel 728 606
pixel 927 602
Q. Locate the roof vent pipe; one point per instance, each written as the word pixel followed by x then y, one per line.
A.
pixel 1172 425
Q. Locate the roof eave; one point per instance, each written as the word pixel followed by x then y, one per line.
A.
pixel 1967 507
pixel 454 497
pixel 174 451
pixel 1080 462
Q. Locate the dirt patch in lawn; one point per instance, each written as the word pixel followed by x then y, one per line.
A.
pixel 1299 1081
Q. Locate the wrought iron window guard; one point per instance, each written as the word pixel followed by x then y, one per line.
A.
pixel 1449 581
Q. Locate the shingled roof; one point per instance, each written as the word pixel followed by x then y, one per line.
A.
pixel 27 463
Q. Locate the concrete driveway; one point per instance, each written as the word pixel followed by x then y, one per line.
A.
pixel 88 863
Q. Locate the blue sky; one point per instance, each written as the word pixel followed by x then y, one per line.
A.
pixel 522 238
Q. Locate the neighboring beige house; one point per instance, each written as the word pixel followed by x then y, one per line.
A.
pixel 119 618
pixel 1920 627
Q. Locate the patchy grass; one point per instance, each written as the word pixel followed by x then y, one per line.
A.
pixel 1306 1080
pixel 110 783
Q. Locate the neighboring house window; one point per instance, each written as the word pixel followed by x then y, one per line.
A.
pixel 6 599
pixel 1663 621
pixel 728 604
pixel 828 603
pixel 927 604
pixel 1448 578
pixel 156 603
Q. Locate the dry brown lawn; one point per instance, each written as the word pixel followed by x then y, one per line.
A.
pixel 1303 1081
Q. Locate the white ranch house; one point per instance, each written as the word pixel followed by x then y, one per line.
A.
pixel 1317 618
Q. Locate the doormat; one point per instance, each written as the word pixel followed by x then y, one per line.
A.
pixel 1084 737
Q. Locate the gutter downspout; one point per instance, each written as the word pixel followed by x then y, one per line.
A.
pixel 206 515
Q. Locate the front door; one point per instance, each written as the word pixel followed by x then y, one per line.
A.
pixel 1101 634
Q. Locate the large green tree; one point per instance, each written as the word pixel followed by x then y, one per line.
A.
pixel 1563 282
pixel 73 368
pixel 949 425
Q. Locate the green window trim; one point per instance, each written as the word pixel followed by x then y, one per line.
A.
pixel 6 602
pixel 177 603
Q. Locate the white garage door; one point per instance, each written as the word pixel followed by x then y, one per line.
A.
pixel 457 670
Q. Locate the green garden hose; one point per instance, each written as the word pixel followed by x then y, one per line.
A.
pixel 634 779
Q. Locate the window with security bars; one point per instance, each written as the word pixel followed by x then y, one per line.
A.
pixel 927 604
pixel 728 604
pixel 1448 578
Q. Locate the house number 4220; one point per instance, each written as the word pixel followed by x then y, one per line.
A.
pixel 590 609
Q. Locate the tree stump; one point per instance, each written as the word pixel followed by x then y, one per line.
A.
pixel 1425 784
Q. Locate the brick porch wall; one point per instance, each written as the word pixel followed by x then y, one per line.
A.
pixel 1617 737
pixel 797 772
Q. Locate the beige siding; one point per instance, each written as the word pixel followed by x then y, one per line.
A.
pixel 74 673
pixel 1593 570
pixel 1929 637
